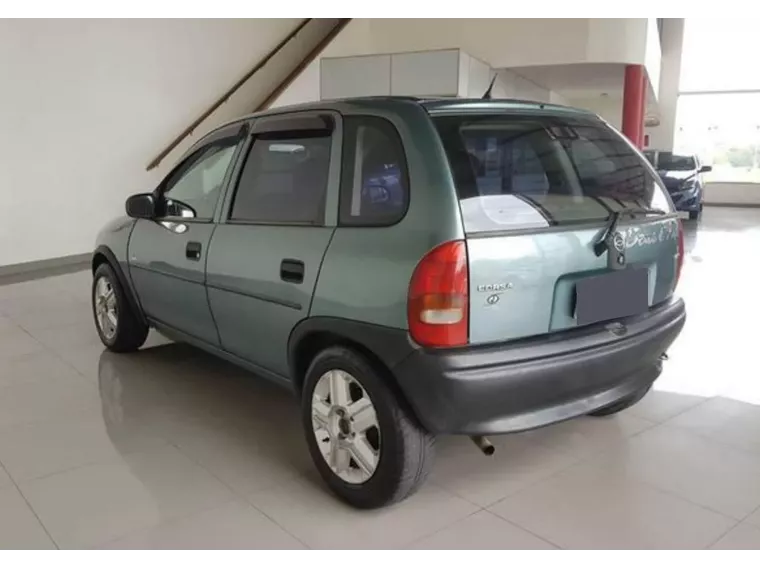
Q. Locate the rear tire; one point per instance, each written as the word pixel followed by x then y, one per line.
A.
pixel 621 405
pixel 120 329
pixel 694 215
pixel 402 451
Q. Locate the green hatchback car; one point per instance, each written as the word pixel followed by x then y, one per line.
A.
pixel 408 268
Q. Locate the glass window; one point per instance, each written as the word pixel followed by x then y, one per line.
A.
pixel 193 189
pixel 668 161
pixel 374 185
pixel 284 180
pixel 724 61
pixel 515 172
pixel 722 130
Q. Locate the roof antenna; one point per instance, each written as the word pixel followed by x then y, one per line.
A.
pixel 487 94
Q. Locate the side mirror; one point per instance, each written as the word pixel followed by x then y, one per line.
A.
pixel 705 169
pixel 141 206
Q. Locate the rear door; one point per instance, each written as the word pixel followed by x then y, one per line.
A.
pixel 266 253
pixel 537 195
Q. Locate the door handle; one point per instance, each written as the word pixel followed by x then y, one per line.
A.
pixel 193 250
pixel 292 270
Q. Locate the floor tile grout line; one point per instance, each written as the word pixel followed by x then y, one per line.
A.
pixel 487 511
pixel 585 461
pixel 711 439
pixel 48 348
pixel 636 480
pixel 447 526
pixel 103 461
pixel 236 493
pixel 725 445
pixel 576 462
pixel 530 531
pixel 720 537
pixel 690 408
pixel 28 504
pixel 167 522
pixel 235 496
pixel 749 515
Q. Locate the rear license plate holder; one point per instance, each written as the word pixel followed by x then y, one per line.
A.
pixel 613 295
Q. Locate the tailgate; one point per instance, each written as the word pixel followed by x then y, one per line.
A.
pixel 524 285
pixel 536 193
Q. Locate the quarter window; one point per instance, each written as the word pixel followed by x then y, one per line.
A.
pixel 374 183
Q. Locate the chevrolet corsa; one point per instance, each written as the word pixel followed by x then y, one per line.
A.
pixel 408 268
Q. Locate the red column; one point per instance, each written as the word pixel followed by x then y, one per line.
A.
pixel 633 103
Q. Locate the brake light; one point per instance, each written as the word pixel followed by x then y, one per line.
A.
pixel 438 302
pixel 681 253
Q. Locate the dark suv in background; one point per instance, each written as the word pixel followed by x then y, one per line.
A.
pixel 682 176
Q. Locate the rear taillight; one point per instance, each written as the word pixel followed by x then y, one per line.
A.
pixel 679 260
pixel 438 303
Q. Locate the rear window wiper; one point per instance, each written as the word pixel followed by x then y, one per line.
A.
pixel 605 240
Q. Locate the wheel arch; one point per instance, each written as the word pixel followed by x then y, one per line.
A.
pixel 104 255
pixel 383 346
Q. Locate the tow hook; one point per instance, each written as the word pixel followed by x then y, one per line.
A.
pixel 484 444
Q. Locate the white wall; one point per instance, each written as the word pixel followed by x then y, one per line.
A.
pixel 353 40
pixel 498 43
pixel 517 42
pixel 444 72
pixel 508 84
pixel 609 108
pixel 625 40
pixel 421 73
pixel 86 104
pixel 724 193
pixel 661 136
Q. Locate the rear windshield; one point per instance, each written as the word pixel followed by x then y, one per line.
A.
pixel 674 163
pixel 517 173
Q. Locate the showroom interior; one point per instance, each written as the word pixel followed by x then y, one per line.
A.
pixel 171 447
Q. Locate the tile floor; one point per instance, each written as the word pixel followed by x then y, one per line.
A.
pixel 170 448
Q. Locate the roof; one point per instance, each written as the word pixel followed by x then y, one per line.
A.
pixel 433 104
pixel 437 104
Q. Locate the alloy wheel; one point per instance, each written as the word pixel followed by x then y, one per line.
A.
pixel 345 426
pixel 106 312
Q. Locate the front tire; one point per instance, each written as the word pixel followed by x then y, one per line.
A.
pixel 120 329
pixel 365 443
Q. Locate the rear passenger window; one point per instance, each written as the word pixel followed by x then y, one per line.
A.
pixel 374 189
pixel 284 180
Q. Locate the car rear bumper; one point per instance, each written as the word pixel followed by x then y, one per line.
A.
pixel 523 385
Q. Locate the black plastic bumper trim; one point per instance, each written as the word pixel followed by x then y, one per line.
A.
pixel 526 384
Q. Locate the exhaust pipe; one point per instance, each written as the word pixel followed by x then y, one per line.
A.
pixel 483 444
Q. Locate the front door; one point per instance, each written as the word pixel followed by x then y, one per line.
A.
pixel 167 255
pixel 266 252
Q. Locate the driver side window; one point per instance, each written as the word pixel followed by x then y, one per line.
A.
pixel 192 191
